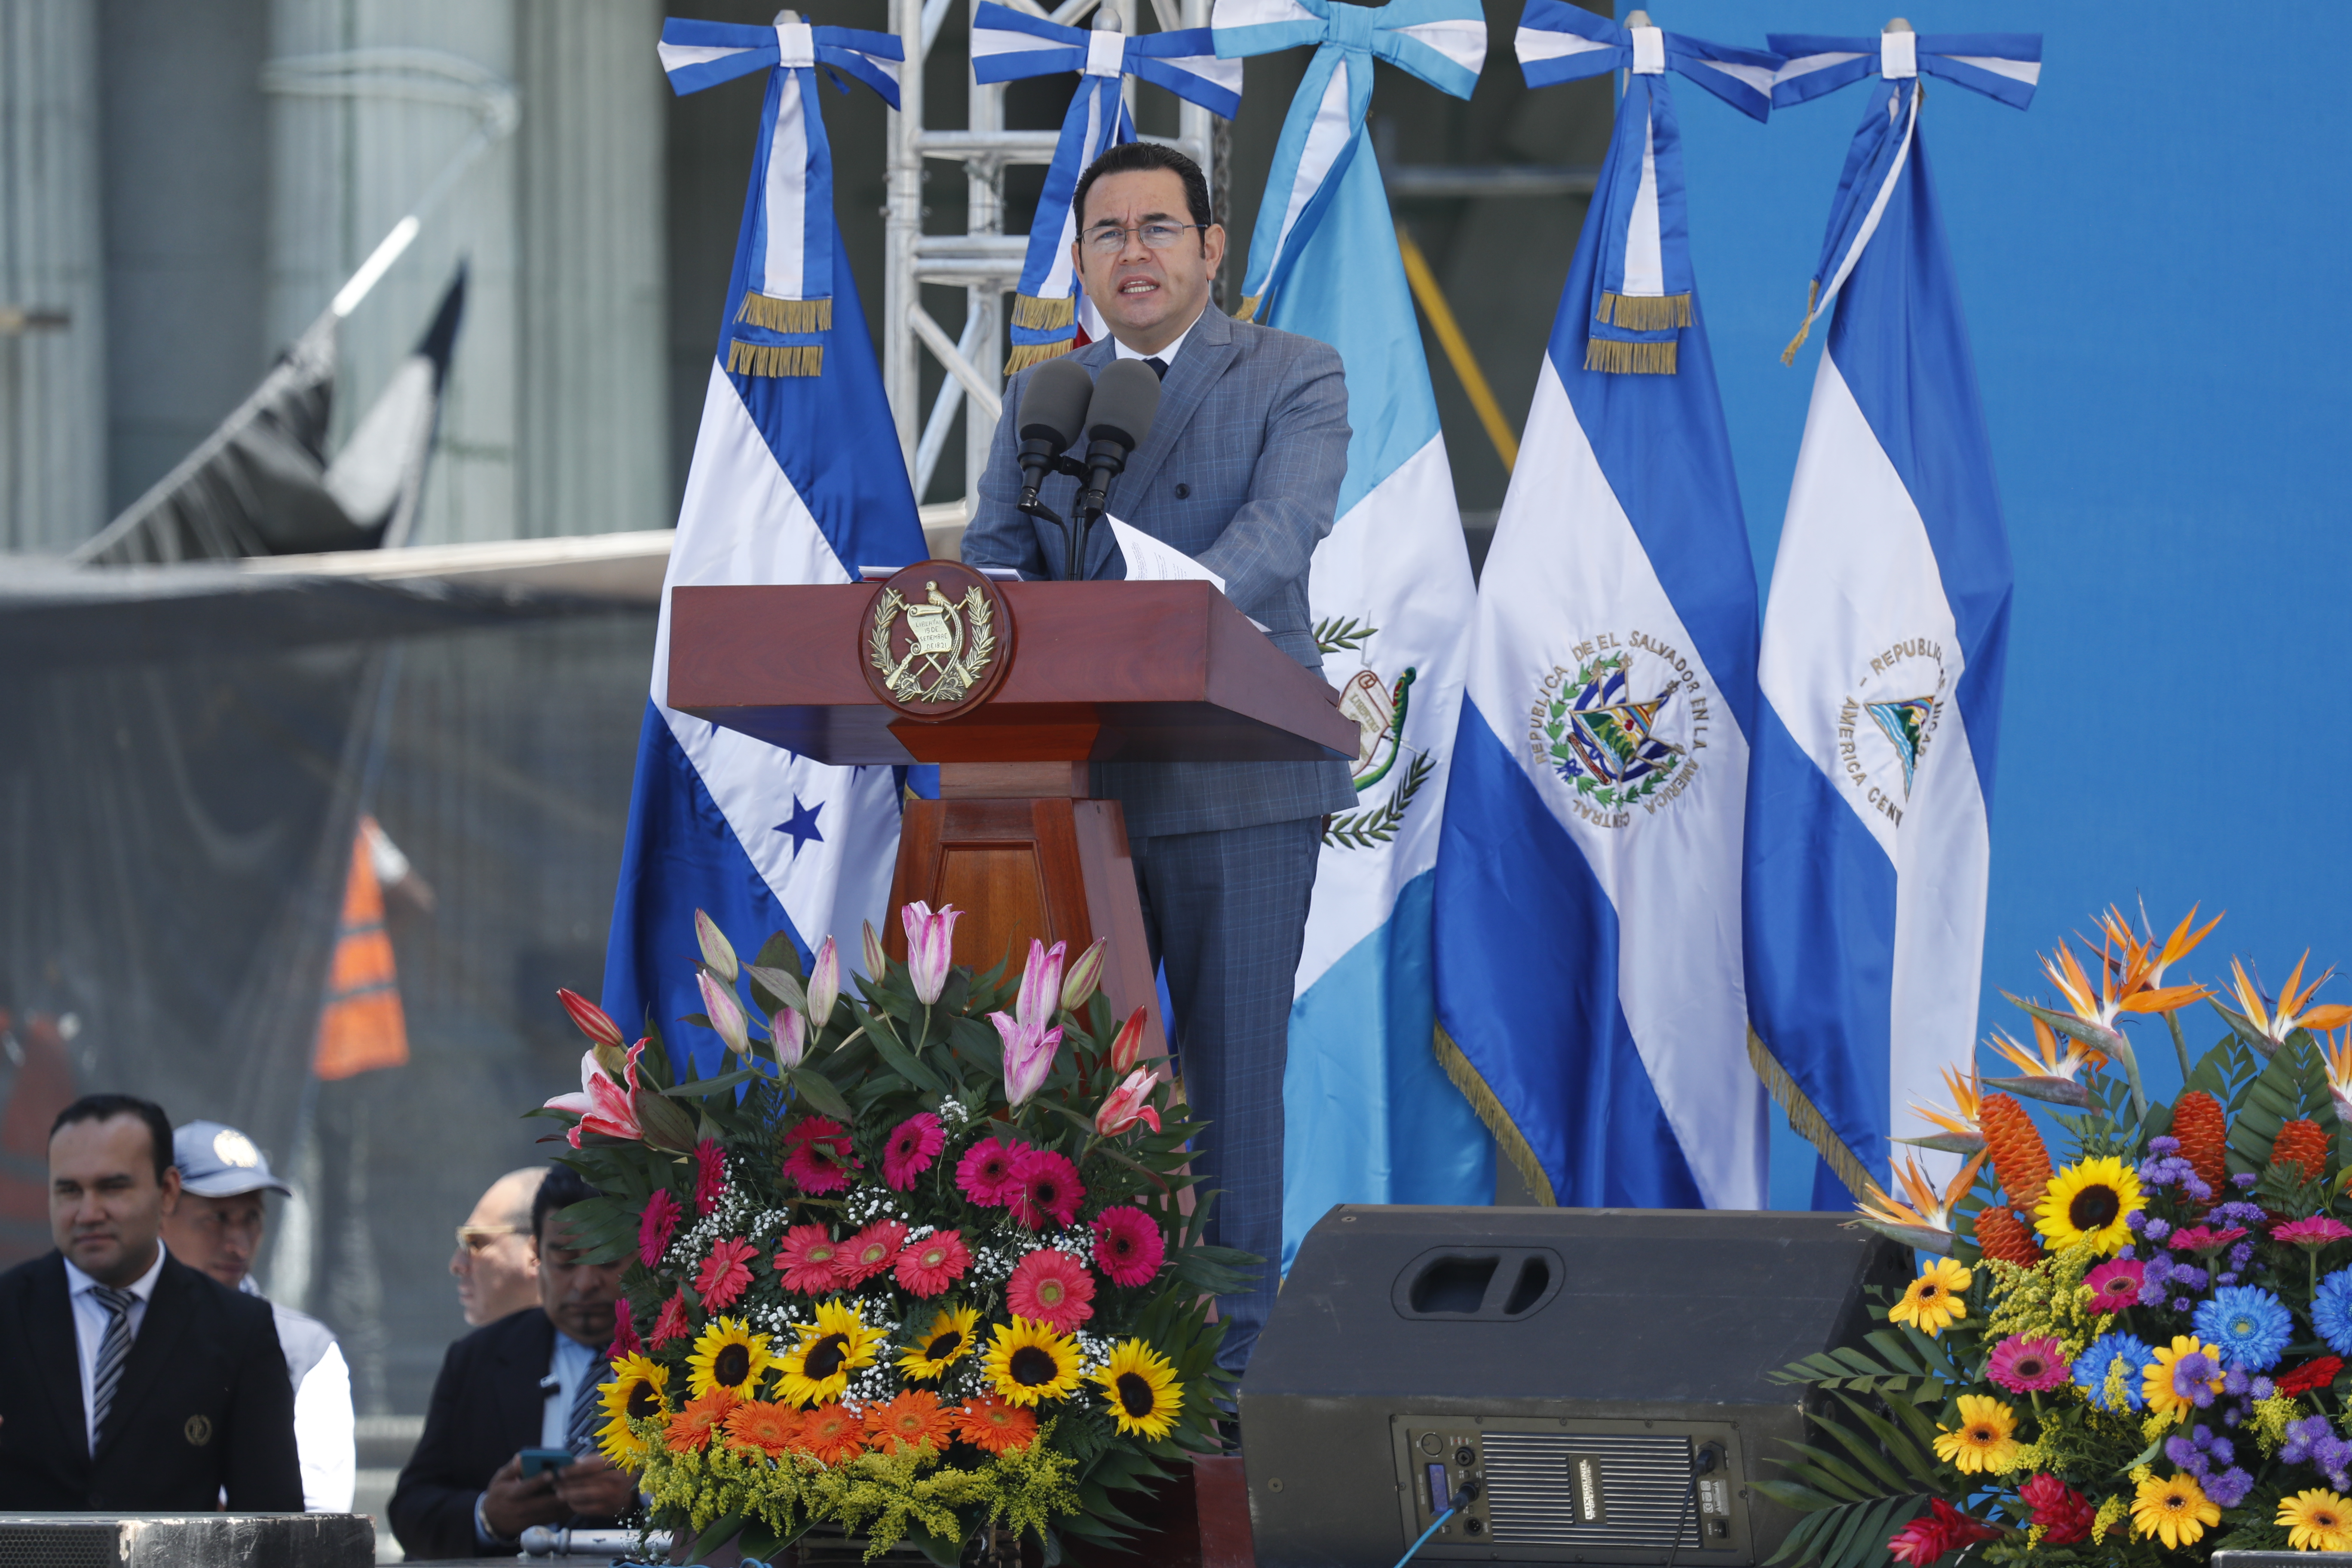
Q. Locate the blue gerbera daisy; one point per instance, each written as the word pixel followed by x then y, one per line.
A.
pixel 2331 1311
pixel 2093 1366
pixel 2248 1326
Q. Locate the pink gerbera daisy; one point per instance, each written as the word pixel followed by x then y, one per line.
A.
pixel 1129 1248
pixel 816 1154
pixel 2115 1285
pixel 2317 1231
pixel 929 1266
pixel 808 1261
pixel 625 1333
pixel 985 1173
pixel 725 1275
pixel 914 1144
pixel 870 1251
pixel 709 1176
pixel 656 1226
pixel 1047 1187
pixel 2028 1366
pixel 1049 1285
pixel 672 1322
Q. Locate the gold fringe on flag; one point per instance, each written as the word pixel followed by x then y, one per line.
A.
pixel 1812 293
pixel 1806 1119
pixel 774 359
pixel 1044 315
pixel 785 315
pixel 1248 312
pixel 1629 359
pixel 1024 355
pixel 1646 312
pixel 1508 1139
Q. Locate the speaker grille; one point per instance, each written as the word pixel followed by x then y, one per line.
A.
pixel 1531 1493
pixel 60 1545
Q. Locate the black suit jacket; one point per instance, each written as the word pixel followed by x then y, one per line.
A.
pixel 487 1408
pixel 204 1402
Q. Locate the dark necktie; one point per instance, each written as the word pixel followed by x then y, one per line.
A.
pixel 113 1350
pixel 1159 367
pixel 587 1412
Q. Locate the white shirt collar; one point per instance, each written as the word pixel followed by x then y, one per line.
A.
pixel 145 1289
pixel 1166 356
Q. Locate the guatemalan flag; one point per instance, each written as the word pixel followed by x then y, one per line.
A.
pixel 797 477
pixel 1371 1118
pixel 1881 670
pixel 1588 890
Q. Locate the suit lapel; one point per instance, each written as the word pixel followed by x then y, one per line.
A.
pixel 525 1356
pixel 1203 363
pixel 160 1330
pixel 48 1321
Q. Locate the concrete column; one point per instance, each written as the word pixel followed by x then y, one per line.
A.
pixel 52 379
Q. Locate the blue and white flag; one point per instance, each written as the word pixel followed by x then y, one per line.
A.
pixel 1883 642
pixel 797 477
pixel 1050 309
pixel 1371 1118
pixel 1588 890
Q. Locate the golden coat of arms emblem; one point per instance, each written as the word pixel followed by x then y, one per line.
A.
pixel 935 639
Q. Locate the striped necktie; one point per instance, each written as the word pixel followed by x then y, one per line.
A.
pixel 587 1412
pixel 112 1352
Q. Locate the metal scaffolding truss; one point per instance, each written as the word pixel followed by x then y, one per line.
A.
pixel 983 260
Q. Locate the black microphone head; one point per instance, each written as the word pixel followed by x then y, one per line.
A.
pixel 1126 396
pixel 1054 404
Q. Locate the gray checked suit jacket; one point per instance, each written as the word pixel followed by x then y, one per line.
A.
pixel 1240 472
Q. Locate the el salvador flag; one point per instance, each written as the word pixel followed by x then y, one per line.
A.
pixel 1883 642
pixel 1369 1116
pixel 797 477
pixel 1588 888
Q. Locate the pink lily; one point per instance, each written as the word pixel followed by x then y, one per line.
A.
pixel 1084 977
pixel 1028 1055
pixel 930 947
pixel 824 985
pixel 1126 1105
pixel 790 1036
pixel 601 1105
pixel 592 1020
pixel 1128 1045
pixel 716 951
pixel 726 1014
pixel 1040 983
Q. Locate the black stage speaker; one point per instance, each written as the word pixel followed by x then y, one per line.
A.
pixel 1599 1374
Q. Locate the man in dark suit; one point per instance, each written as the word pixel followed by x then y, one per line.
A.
pixel 129 1382
pixel 528 1381
pixel 1240 472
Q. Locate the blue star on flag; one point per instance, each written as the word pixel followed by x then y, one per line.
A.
pixel 801 825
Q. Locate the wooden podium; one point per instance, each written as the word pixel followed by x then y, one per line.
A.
pixel 1073 673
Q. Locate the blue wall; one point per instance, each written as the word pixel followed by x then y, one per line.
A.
pixel 2153 261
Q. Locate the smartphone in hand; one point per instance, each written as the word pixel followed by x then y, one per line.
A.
pixel 537 1460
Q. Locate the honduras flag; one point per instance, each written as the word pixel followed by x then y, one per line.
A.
pixel 1881 670
pixel 1588 889
pixel 1371 1116
pixel 797 477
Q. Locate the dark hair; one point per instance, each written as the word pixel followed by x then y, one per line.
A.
pixel 1129 156
pixel 563 1187
pixel 107 1107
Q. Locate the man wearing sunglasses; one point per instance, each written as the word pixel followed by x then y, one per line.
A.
pixel 1240 472
pixel 495 1267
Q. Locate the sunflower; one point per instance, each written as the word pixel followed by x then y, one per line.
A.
pixel 909 1423
pixel 636 1392
pixel 945 1342
pixel 770 1429
pixel 2316 1520
pixel 2177 1510
pixel 818 1367
pixel 1144 1393
pixel 1934 1299
pixel 1985 1441
pixel 999 1428
pixel 728 1355
pixel 2159 1381
pixel 1028 1362
pixel 2090 1201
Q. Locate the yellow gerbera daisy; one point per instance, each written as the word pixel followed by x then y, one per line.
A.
pixel 1145 1395
pixel 817 1368
pixel 2090 1201
pixel 2176 1509
pixel 1028 1362
pixel 2156 1382
pixel 947 1341
pixel 636 1392
pixel 1935 1299
pixel 2316 1520
pixel 1985 1442
pixel 728 1355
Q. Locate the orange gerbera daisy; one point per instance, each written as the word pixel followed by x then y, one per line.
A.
pixel 989 1423
pixel 832 1434
pixel 908 1422
pixel 758 1424
pixel 692 1428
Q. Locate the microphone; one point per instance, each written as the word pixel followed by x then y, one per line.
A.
pixel 1126 400
pixel 1053 407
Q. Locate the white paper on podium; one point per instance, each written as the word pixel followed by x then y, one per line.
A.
pixel 1150 561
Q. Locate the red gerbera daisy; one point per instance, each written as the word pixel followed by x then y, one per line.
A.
pixel 914 1144
pixel 2311 1374
pixel 1129 1248
pixel 991 1424
pixel 709 1177
pixel 831 1434
pixel 929 1266
pixel 816 1154
pixel 870 1251
pixel 625 1333
pixel 810 1261
pixel 672 1322
pixel 1050 1286
pixel 1047 1187
pixel 656 1226
pixel 725 1275
pixel 985 1173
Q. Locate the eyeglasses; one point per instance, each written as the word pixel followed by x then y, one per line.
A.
pixel 1110 239
pixel 475 1237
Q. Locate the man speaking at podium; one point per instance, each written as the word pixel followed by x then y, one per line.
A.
pixel 1240 472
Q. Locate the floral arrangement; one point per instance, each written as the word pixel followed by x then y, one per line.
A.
pixel 922 1265
pixel 2133 1351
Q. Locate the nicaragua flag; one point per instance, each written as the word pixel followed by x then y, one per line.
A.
pixel 1883 642
pixel 1588 889
pixel 797 477
pixel 1371 1116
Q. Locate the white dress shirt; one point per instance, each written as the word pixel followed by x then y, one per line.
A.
pixel 91 1319
pixel 1166 356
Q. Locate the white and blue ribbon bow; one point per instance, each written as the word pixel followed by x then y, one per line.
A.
pixel 786 288
pixel 1008 44
pixel 2006 66
pixel 1642 290
pixel 1442 42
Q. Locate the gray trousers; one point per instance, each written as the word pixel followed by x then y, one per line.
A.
pixel 1226 913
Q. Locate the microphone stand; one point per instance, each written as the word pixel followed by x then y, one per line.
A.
pixel 1071 527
